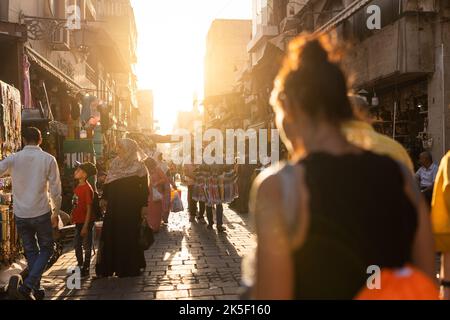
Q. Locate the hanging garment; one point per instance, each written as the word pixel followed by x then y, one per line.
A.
pixel 75 110
pixel 28 101
pixel 221 180
pixel 12 120
pixel 86 112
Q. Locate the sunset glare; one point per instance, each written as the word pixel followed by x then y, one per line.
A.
pixel 171 48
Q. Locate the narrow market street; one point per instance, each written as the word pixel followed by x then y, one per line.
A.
pixel 187 261
pixel 148 148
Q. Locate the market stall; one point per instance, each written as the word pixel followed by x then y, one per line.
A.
pixel 401 112
pixel 10 142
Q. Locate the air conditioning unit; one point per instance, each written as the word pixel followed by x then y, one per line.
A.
pixel 60 40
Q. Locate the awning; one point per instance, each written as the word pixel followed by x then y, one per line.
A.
pixel 272 56
pixel 77 151
pixel 49 68
pixel 78 146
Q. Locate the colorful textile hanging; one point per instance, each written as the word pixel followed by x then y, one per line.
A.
pixel 12 119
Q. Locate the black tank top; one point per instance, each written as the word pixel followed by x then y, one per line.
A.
pixel 359 216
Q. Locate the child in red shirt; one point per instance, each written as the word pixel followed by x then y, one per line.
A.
pixel 82 215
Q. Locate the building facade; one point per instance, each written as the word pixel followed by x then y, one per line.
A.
pixel 146 111
pixel 402 68
pixel 73 62
pixel 226 58
pixel 78 58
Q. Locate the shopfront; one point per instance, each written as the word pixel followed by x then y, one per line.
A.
pixel 400 111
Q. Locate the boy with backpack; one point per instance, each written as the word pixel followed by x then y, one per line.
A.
pixel 83 215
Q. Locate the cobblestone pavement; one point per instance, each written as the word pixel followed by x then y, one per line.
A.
pixel 187 261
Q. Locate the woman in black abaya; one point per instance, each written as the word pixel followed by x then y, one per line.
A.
pixel 125 194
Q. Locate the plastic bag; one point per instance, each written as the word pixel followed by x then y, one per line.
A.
pixel 177 204
pixel 157 196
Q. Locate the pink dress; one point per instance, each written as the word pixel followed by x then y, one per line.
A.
pixel 155 208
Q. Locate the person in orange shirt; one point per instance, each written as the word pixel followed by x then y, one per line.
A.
pixel 440 217
pixel 359 131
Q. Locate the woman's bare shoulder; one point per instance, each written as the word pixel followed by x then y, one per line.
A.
pixel 266 190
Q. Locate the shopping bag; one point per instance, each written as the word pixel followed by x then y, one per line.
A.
pixel 177 204
pixel 173 193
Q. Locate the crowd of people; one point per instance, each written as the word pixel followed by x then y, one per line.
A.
pixel 347 200
pixel 209 187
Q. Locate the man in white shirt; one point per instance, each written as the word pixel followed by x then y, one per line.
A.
pixel 426 175
pixel 37 200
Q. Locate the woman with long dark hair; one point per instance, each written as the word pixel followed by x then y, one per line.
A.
pixel 337 210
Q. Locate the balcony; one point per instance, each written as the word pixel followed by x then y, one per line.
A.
pixel 86 76
pixel 263 32
pixel 405 48
pixel 90 74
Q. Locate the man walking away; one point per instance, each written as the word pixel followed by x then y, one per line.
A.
pixel 36 190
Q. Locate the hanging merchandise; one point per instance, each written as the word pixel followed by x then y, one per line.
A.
pixel 75 109
pixel 5 233
pixel 12 121
pixel 10 129
pixel 402 113
pixel 90 115
pixel 28 101
pixel 86 108
pixel 59 128
pixel 215 184
pixel 105 118
pixel 64 109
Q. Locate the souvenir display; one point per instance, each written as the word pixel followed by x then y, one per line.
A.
pixel 215 184
pixel 10 138
pixel 11 119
